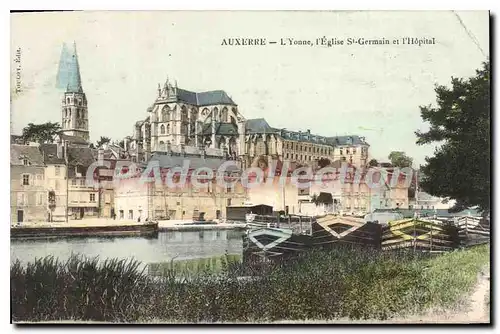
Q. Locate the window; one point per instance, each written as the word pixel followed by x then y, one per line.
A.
pixel 92 197
pixel 58 170
pixel 354 151
pixel 162 129
pixel 121 214
pixel 82 182
pixel 341 152
pixel 229 189
pixel 25 162
pixel 228 202
pixel 347 151
pixel 130 214
pixel 73 182
pixel 168 129
pixel 26 180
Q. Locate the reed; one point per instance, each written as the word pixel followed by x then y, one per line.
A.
pixel 329 284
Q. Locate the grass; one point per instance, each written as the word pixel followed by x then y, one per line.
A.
pixel 321 285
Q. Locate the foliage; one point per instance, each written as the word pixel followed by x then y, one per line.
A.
pixel 373 163
pixel 322 198
pixel 323 162
pixel 323 284
pixel 41 133
pixel 460 168
pixel 102 141
pixel 400 159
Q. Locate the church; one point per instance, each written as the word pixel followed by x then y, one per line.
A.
pixel 182 121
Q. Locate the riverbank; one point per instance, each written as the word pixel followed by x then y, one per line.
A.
pixel 111 227
pixel 83 228
pixel 187 225
pixel 333 285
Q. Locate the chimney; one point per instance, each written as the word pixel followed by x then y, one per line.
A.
pixel 308 131
pixel 60 149
pixel 100 155
pixel 65 151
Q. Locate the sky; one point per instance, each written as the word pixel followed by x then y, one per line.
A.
pixel 368 90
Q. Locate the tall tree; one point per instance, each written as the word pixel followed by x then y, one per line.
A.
pixel 323 162
pixel 41 133
pixel 102 141
pixel 400 159
pixel 460 167
pixel 373 163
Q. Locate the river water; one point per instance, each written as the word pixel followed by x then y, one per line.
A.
pixel 168 246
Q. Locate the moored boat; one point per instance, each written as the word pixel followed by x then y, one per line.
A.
pixel 332 229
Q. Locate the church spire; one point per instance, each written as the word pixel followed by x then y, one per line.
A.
pixel 68 76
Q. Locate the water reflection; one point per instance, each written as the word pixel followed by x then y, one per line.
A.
pixel 166 246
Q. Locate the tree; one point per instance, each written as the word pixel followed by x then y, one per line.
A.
pixel 323 162
pixel 373 163
pixel 323 198
pixel 41 133
pixel 102 141
pixel 460 167
pixel 400 159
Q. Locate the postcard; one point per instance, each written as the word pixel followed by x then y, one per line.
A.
pixel 250 167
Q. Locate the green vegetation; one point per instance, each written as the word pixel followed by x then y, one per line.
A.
pixel 460 124
pixel 41 133
pixel 338 283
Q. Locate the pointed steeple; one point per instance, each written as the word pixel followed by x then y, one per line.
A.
pixel 68 76
pixel 75 81
pixel 64 65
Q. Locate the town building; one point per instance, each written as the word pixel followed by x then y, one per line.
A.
pixel 67 164
pixel 354 196
pixel 55 180
pixel 425 201
pixel 139 200
pixel 301 148
pixel 28 200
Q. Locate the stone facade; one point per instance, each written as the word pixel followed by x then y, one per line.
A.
pixel 55 180
pixel 301 148
pixel 74 112
pixel 28 201
pixel 135 199
pixel 181 118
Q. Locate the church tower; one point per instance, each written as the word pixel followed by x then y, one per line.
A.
pixel 74 111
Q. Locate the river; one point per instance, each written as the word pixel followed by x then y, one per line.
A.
pixel 168 246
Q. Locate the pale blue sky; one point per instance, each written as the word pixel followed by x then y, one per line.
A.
pixel 372 91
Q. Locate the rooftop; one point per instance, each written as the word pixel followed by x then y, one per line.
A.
pixel 204 98
pixel 18 153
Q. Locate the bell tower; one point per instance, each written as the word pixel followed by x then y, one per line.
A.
pixel 74 110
